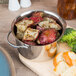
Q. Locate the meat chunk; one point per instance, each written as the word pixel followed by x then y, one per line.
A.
pixel 40 28
pixel 36 19
pixel 29 42
pixel 38 14
pixel 47 36
pixel 31 34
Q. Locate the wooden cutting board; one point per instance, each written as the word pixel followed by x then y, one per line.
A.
pixel 43 65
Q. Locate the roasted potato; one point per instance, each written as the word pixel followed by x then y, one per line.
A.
pixel 19 34
pixel 22 25
pixel 49 19
pixel 31 34
pixel 47 24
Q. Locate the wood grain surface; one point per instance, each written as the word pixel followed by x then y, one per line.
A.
pixel 3 1
pixel 6 18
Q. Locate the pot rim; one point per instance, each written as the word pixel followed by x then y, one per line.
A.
pixel 61 20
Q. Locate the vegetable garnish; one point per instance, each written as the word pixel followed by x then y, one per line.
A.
pixel 70 38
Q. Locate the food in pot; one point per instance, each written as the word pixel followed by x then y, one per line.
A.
pixel 38 29
pixel 47 36
pixel 49 19
pixel 23 24
pixel 47 24
pixel 31 34
pixel 38 14
pixel 20 34
pixel 36 19
pixel 29 42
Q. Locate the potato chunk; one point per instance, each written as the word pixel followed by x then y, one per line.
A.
pixel 44 24
pixel 55 25
pixel 47 24
pixel 49 19
pixel 22 25
pixel 19 34
pixel 31 34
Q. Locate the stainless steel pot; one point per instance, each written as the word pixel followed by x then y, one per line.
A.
pixel 29 51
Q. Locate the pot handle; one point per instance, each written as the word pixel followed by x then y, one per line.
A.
pixel 25 46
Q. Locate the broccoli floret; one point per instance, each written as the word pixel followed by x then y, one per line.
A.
pixel 70 38
pixel 74 48
pixel 68 30
pixel 72 43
